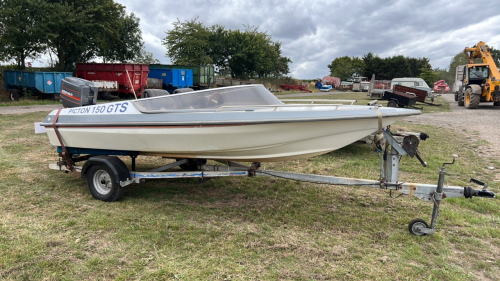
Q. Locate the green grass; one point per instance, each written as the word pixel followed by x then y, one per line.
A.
pixel 244 228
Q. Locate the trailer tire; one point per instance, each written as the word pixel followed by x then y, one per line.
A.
pixel 414 226
pixel 103 185
pixel 107 96
pixel 15 95
pixel 392 103
pixel 471 100
pixel 460 99
pixel 183 90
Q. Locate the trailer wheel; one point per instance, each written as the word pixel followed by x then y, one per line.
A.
pixel 415 225
pixel 15 95
pixel 102 184
pixel 471 100
pixel 392 103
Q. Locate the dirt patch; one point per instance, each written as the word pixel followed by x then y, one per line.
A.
pixel 27 109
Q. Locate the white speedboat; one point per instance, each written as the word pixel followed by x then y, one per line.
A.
pixel 240 123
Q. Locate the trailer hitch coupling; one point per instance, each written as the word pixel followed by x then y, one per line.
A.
pixel 469 192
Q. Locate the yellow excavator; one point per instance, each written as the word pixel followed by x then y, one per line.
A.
pixel 480 82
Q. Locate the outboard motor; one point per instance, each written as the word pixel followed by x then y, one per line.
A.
pixel 77 92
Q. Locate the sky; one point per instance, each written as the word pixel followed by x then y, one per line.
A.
pixel 313 33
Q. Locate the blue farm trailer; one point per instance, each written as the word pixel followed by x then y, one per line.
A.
pixel 203 75
pixel 37 82
pixel 173 78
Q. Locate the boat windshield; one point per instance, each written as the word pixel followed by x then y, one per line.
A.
pixel 209 100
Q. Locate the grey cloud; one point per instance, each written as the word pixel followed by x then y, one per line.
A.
pixel 314 33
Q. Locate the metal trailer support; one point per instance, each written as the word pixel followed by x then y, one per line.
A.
pixel 390 165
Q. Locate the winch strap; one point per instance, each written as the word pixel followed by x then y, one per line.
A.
pixel 380 125
pixel 65 154
pixel 379 136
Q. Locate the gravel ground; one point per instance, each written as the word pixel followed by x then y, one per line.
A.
pixel 467 122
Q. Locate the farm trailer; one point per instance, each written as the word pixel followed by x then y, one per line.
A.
pixel 403 96
pixel 114 79
pixel 203 75
pixel 171 79
pixel 41 84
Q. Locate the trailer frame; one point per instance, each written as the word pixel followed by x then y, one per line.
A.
pixel 107 175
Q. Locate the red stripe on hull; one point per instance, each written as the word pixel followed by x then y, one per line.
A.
pixel 149 127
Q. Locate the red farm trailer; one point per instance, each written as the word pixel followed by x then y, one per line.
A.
pixel 294 87
pixel 115 79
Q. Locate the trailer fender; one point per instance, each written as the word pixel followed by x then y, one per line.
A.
pixel 476 89
pixel 118 168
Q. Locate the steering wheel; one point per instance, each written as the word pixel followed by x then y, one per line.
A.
pixel 215 100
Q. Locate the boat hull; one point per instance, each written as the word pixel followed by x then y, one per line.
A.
pixel 236 142
pixel 240 123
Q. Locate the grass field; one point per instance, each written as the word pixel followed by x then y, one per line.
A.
pixel 245 228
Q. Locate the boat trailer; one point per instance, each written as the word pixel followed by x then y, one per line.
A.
pixel 107 175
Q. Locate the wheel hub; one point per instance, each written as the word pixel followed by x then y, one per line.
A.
pixel 102 182
pixel 417 227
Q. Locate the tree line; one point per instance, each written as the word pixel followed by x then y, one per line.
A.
pixel 69 31
pixel 400 66
pixel 241 54
pixel 384 68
